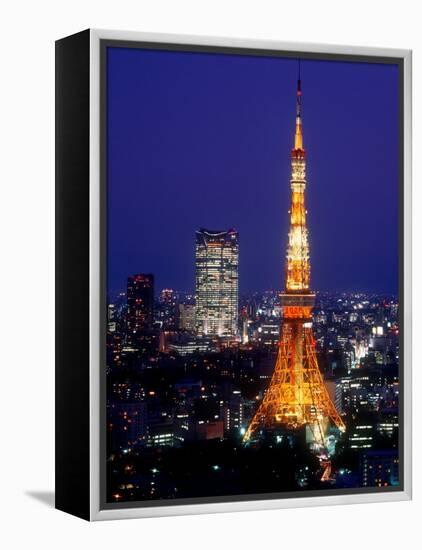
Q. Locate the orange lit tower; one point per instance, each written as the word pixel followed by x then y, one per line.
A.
pixel 297 395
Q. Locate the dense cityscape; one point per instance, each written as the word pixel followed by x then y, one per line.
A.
pixel 215 393
pixel 186 372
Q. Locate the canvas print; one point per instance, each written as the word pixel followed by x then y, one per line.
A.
pixel 252 308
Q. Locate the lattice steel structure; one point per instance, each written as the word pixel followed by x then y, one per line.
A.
pixel 297 395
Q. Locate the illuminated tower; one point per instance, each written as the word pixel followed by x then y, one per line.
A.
pixel 297 395
pixel 217 279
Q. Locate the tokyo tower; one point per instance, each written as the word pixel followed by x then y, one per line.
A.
pixel 297 395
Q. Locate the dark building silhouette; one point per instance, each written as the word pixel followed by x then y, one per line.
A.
pixel 140 305
pixel 379 468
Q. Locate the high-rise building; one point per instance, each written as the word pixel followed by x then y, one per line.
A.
pixel 245 325
pixel 217 282
pixel 187 317
pixel 140 305
pixel 167 309
pixel 232 411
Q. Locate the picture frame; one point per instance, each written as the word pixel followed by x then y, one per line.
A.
pixel 82 155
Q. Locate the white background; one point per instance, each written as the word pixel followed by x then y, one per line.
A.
pixel 27 35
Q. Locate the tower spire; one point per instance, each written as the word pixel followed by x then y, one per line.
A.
pixel 299 89
pixel 298 133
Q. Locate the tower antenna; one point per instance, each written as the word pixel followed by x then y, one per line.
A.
pixel 299 89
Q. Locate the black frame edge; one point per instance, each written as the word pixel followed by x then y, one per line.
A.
pixel 72 454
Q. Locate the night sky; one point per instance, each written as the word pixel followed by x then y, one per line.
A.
pixel 203 140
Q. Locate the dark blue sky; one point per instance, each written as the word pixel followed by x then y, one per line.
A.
pixel 203 140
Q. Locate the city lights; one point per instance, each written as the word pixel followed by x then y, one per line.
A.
pixel 212 390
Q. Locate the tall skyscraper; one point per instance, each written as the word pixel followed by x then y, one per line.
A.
pixel 140 305
pixel 297 395
pixel 217 282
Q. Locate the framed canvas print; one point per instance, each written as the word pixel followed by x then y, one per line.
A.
pixel 233 274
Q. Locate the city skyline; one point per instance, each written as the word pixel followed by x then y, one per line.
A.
pixel 221 392
pixel 351 131
pixel 113 292
pixel 179 406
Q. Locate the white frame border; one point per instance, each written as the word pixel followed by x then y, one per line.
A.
pixel 142 512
